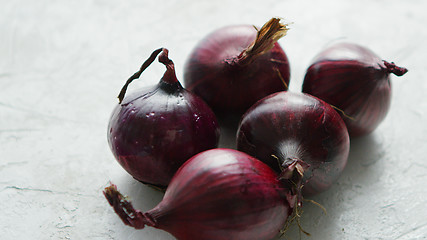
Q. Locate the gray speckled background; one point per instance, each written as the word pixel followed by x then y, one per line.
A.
pixel 62 64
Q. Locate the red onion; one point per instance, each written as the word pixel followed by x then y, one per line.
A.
pixel 296 130
pixel 356 81
pixel 235 66
pixel 155 130
pixel 217 194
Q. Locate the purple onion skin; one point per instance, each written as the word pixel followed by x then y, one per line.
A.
pixel 286 126
pixel 153 131
pixel 214 71
pixel 218 194
pixel 356 81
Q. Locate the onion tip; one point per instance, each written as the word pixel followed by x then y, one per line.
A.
pixel 170 75
pixel 266 37
pixel 125 210
pixel 392 68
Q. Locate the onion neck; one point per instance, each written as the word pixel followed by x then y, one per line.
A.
pixel 392 68
pixel 265 39
pixel 169 76
pixel 123 208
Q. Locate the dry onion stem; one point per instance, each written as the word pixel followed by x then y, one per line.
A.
pixel 269 34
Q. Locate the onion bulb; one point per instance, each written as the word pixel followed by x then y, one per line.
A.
pixel 354 80
pixel 153 131
pixel 237 65
pixel 218 194
pixel 295 130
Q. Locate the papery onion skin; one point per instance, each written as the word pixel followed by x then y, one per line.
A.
pixel 153 131
pixel 218 194
pixel 230 84
pixel 356 81
pixel 286 126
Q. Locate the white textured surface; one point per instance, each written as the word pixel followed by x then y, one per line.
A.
pixel 63 62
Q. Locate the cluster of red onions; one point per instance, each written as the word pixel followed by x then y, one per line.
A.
pixel 346 94
pixel 289 145
pixel 161 135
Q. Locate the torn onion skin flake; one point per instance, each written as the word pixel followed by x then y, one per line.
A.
pixel 354 80
pixel 237 65
pixel 218 194
pixel 154 130
pixel 298 131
